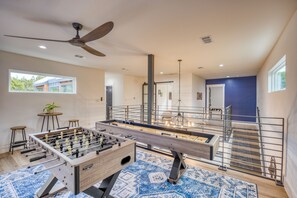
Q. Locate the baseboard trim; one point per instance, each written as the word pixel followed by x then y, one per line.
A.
pixel 289 190
pixel 4 149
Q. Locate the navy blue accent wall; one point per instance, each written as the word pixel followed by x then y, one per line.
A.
pixel 241 93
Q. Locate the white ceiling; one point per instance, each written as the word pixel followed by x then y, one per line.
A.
pixel 243 33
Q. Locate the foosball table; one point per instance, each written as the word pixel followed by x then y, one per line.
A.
pixel 178 141
pixel 80 158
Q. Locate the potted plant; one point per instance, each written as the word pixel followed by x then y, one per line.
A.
pixel 49 108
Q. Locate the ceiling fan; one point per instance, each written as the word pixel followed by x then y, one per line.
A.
pixel 97 33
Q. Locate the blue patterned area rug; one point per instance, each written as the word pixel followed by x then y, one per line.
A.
pixel 147 177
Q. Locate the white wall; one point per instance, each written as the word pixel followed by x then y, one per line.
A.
pixel 133 90
pixel 163 90
pixel 281 103
pixel 190 85
pixel 117 82
pixel 198 85
pixel 126 90
pixel 22 108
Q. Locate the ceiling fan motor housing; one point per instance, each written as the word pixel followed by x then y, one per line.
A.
pixel 77 26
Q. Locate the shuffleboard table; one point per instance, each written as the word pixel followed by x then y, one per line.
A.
pixel 178 141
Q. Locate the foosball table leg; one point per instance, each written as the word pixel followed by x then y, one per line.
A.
pixel 178 168
pixel 48 187
pixel 105 187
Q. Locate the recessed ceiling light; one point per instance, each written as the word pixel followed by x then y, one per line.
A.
pixel 124 69
pixel 161 73
pixel 206 39
pixel 200 67
pixel 79 56
pixel 42 47
pixel 221 65
pixel 228 76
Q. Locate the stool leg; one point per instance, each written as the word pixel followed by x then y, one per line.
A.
pixel 53 122
pixel 24 137
pixel 13 139
pixel 78 123
pixel 23 134
pixel 47 122
pixel 42 123
pixel 11 136
pixel 57 122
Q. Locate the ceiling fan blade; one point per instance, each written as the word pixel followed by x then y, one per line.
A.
pixel 41 39
pixel 92 51
pixel 98 32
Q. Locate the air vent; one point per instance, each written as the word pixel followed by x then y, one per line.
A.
pixel 79 56
pixel 206 39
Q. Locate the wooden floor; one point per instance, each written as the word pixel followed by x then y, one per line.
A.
pixel 266 188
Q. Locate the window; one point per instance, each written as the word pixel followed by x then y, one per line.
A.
pixel 23 81
pixel 277 76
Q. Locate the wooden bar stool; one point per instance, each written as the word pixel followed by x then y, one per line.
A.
pixel 14 143
pixel 73 123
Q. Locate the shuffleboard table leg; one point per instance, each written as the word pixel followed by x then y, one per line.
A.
pixel 105 187
pixel 178 167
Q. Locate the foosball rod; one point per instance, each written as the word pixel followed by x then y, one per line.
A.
pixel 63 140
pixel 31 146
pixel 28 150
pixel 93 141
pixel 81 150
pixel 67 134
pixel 90 146
pixel 85 149
pixel 55 166
pixel 81 133
pixel 30 154
pixel 44 162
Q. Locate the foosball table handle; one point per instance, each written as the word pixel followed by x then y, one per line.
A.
pixel 28 150
pixel 33 159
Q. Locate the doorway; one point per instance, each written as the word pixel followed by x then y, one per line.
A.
pixel 164 94
pixel 215 99
pixel 108 101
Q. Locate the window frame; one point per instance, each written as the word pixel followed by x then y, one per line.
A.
pixel 41 74
pixel 273 84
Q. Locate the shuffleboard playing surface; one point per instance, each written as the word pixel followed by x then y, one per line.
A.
pixel 201 145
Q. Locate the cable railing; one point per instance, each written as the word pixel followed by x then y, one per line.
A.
pixel 250 144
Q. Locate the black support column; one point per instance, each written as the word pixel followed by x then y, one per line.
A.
pixel 150 100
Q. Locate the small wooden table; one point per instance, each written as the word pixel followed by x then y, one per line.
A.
pixel 46 116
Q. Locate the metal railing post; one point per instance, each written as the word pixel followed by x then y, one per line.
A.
pixel 222 166
pixel 142 113
pixel 261 141
pixel 127 112
pixel 156 110
pixel 110 113
pixel 280 183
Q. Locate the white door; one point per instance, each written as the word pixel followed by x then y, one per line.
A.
pixel 216 98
